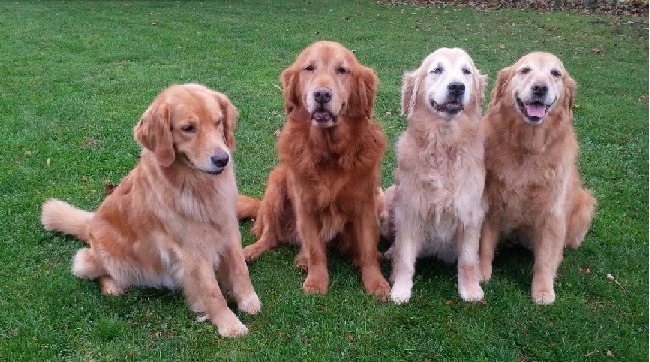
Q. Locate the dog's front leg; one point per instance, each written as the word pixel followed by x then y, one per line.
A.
pixel 548 247
pixel 408 238
pixel 315 251
pixel 233 269
pixel 467 241
pixel 365 231
pixel 204 295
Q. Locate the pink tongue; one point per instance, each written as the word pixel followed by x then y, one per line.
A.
pixel 536 110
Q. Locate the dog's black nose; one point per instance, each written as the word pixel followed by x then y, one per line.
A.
pixel 322 95
pixel 220 158
pixel 456 89
pixel 540 89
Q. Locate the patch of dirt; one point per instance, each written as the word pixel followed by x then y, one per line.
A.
pixel 611 7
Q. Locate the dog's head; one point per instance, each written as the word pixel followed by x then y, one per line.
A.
pixel 327 82
pixel 190 124
pixel 447 82
pixel 538 85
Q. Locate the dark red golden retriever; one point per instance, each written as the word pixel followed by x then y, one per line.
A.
pixel 325 188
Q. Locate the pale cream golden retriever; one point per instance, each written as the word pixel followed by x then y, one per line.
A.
pixel 324 192
pixel 533 188
pixel 172 220
pixel 435 206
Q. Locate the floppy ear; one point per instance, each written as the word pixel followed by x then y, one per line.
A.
pixel 503 78
pixel 410 84
pixel 230 114
pixel 480 84
pixel 570 86
pixel 153 132
pixel 289 79
pixel 363 97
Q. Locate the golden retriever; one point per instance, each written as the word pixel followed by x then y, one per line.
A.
pixel 172 220
pixel 435 205
pixel 532 187
pixel 325 188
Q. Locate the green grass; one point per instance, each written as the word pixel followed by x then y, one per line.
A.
pixel 76 76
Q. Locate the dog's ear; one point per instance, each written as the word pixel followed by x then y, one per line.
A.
pixel 289 79
pixel 503 78
pixel 410 84
pixel 153 132
pixel 570 86
pixel 363 96
pixel 230 114
pixel 480 84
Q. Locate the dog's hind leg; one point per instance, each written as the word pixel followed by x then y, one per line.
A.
pixel 487 246
pixel 580 217
pixel 87 265
pixel 275 223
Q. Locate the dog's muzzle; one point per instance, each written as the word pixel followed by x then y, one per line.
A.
pixel 219 161
pixel 536 107
pixel 454 103
pixel 322 115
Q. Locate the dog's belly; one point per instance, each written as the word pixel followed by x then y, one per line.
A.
pixel 439 237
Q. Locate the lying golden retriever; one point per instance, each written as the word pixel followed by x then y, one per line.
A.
pixel 324 190
pixel 435 206
pixel 532 184
pixel 172 220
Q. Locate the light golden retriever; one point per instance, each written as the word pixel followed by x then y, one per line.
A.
pixel 172 220
pixel 325 188
pixel 533 188
pixel 435 206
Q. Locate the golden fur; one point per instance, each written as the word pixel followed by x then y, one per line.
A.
pixel 532 184
pixel 324 190
pixel 435 206
pixel 172 220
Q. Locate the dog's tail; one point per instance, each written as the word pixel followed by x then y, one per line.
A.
pixel 57 215
pixel 247 207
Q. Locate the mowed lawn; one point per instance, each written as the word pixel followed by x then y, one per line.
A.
pixel 75 77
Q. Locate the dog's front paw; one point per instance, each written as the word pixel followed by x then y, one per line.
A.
pixel 250 304
pixel 233 329
pixel 543 296
pixel 401 293
pixel 379 286
pixel 315 284
pixel 471 294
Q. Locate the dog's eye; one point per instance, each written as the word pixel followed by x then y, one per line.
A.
pixel 309 68
pixel 525 70
pixel 189 128
pixel 341 70
pixel 467 71
pixel 556 73
pixel 437 70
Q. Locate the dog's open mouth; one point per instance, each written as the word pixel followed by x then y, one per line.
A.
pixel 534 112
pixel 451 107
pixel 323 117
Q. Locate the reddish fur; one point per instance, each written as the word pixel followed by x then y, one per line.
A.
pixel 326 185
